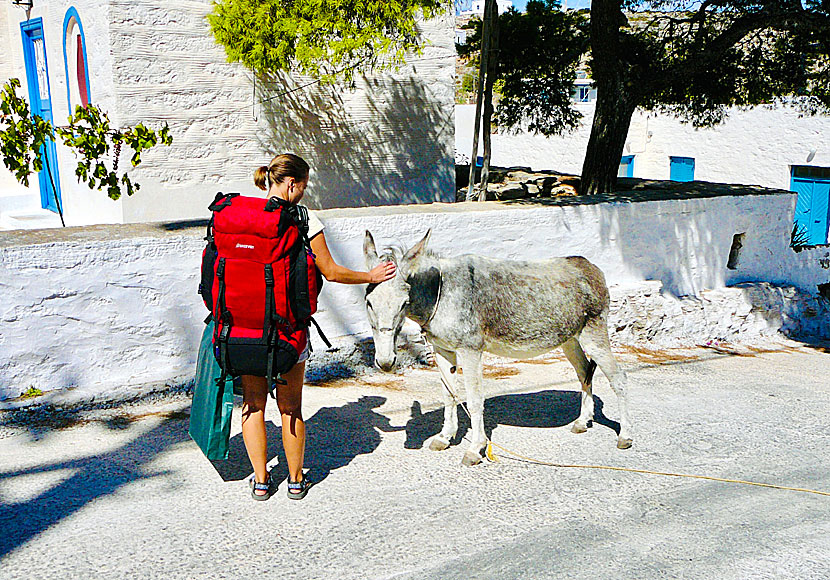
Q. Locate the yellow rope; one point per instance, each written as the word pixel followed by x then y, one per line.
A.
pixel 491 455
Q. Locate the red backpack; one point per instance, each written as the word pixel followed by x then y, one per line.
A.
pixel 260 282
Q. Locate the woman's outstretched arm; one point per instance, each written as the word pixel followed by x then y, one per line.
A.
pixel 334 272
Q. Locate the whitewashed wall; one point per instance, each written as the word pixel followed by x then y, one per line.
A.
pixel 753 147
pixel 387 140
pixel 111 308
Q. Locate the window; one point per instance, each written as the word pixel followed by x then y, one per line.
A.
pixel 75 62
pixel 812 209
pixel 584 93
pixel 682 168
pixel 626 166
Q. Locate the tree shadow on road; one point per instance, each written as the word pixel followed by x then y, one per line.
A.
pixel 92 477
pixel 334 437
pixel 544 409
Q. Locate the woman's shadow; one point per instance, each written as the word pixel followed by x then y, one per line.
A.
pixel 334 436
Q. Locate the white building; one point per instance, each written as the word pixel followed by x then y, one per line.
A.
pixel 476 7
pixel 771 147
pixel 387 140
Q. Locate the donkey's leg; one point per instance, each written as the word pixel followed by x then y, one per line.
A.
pixel 446 362
pixel 470 361
pixel 594 340
pixel 584 370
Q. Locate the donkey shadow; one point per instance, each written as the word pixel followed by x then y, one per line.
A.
pixel 334 437
pixel 543 409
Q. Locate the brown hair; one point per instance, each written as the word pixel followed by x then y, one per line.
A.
pixel 281 166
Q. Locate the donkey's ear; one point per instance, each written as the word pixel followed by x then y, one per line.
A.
pixel 369 251
pixel 415 252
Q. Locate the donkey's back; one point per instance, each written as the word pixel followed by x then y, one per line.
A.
pixel 518 308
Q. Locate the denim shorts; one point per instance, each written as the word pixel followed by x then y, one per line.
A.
pixel 306 351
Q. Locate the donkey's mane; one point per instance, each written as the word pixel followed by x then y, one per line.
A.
pixel 396 252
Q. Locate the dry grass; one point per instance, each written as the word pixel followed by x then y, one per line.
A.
pixel 657 357
pixel 391 384
pixel 500 372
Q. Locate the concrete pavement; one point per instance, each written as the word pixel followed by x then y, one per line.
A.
pixel 123 492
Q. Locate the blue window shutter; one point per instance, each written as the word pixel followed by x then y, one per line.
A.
pixel 682 168
pixel 821 201
pixel 812 209
pixel 626 166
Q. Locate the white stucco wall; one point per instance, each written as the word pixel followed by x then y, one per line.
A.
pixel 111 308
pixel 388 140
pixel 753 147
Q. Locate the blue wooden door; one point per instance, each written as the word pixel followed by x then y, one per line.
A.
pixel 813 205
pixel 682 168
pixel 40 101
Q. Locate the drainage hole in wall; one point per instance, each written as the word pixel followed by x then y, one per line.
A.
pixel 735 251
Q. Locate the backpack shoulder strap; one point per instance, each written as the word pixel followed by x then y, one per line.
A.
pixel 300 215
pixel 221 201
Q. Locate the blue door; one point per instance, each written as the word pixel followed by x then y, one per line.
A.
pixel 626 166
pixel 40 101
pixel 811 211
pixel 682 168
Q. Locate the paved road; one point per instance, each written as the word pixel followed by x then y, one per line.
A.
pixel 125 494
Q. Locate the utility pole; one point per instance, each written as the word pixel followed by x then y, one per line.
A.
pixel 482 72
pixel 492 62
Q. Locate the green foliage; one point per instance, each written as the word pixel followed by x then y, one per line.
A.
pixel 799 239
pixel 696 60
pixel 539 53
pixel 31 393
pixel 21 135
pixel 88 133
pixel 323 38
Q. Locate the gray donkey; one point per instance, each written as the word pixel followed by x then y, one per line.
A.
pixel 470 304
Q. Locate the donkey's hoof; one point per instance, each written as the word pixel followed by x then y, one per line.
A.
pixel 624 443
pixel 579 427
pixel 471 458
pixel 438 443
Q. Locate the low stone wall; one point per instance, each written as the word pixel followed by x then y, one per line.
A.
pixel 749 312
pixel 107 310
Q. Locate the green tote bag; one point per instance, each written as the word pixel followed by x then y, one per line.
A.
pixel 210 413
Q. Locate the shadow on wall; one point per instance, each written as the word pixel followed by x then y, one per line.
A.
pixel 384 144
pixel 686 251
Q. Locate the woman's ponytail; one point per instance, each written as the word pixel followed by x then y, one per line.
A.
pixel 282 166
pixel 261 177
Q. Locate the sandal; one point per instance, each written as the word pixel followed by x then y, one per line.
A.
pixel 298 489
pixel 256 486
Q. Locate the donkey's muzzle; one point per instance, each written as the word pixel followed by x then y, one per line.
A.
pixel 387 365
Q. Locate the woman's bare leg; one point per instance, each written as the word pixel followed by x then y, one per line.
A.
pixel 290 403
pixel 255 397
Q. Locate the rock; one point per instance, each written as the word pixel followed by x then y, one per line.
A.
pixel 511 191
pixel 522 176
pixel 572 180
pixel 532 189
pixel 545 183
pixel 562 189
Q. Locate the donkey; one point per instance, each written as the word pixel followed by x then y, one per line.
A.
pixel 469 304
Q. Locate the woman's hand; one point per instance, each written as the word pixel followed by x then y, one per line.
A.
pixel 382 272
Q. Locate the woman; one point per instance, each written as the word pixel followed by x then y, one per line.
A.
pixel 286 177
